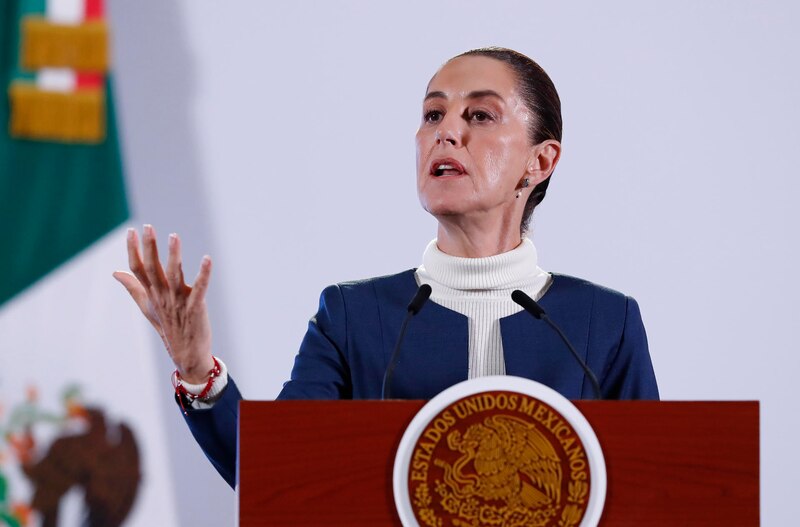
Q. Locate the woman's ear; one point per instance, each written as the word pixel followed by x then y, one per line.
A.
pixel 543 160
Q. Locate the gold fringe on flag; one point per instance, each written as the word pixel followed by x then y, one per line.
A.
pixel 82 47
pixel 73 117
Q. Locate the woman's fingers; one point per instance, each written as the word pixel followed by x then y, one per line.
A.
pixel 198 294
pixel 139 295
pixel 135 258
pixel 152 265
pixel 175 267
pixel 177 311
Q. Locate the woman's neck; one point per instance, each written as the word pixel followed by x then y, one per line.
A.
pixel 460 237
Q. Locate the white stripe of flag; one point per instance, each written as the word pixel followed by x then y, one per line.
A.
pixel 61 12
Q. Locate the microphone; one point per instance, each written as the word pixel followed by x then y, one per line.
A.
pixel 421 296
pixel 530 305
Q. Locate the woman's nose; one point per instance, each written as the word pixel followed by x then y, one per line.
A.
pixel 450 131
pixel 448 135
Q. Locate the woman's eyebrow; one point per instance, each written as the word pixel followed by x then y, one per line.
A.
pixel 478 94
pixel 435 95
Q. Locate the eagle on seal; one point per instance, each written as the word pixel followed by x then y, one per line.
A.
pixel 504 458
pixel 103 462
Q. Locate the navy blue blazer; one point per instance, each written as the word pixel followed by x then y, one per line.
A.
pixel 347 347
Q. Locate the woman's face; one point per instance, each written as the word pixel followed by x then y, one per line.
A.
pixel 474 134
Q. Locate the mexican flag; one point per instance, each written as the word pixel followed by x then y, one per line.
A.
pixel 61 186
pixel 81 437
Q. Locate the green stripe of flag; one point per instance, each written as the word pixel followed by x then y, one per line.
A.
pixel 55 199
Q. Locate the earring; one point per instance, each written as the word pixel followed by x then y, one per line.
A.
pixel 525 184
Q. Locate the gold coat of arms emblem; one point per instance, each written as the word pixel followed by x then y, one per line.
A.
pixel 497 458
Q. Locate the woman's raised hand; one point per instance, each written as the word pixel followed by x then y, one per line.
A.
pixel 177 311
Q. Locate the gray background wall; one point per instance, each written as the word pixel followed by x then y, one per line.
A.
pixel 278 137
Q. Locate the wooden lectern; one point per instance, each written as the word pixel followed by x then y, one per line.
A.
pixel 315 463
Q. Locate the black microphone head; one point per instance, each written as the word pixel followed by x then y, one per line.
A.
pixel 423 293
pixel 527 303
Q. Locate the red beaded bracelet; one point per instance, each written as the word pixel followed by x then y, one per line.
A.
pixel 181 392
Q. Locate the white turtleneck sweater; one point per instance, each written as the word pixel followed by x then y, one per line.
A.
pixel 478 288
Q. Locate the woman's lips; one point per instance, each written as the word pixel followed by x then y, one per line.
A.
pixel 447 167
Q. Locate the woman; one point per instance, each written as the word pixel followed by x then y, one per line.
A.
pixel 487 145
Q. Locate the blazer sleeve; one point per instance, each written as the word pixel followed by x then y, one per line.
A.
pixel 630 372
pixel 215 429
pixel 320 372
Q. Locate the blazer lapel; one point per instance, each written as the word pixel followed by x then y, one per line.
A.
pixel 532 349
pixel 434 352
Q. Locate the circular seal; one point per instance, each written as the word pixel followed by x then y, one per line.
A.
pixel 499 451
